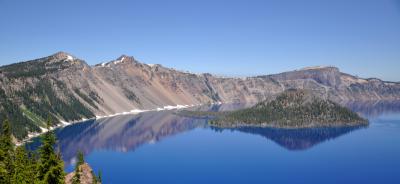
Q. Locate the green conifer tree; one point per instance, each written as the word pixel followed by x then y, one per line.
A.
pixel 81 160
pixel 24 172
pixel 98 178
pixel 50 166
pixel 6 154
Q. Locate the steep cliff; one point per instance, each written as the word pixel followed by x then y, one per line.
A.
pixel 65 88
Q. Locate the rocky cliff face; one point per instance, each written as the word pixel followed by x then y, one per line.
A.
pixel 338 86
pixel 66 88
pixel 86 175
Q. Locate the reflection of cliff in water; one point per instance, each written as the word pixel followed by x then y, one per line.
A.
pixel 371 109
pixel 121 133
pixel 127 133
pixel 296 139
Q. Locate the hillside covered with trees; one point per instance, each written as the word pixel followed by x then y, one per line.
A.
pixel 291 109
pixel 31 91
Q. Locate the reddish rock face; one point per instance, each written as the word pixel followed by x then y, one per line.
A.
pixel 125 84
pixel 86 175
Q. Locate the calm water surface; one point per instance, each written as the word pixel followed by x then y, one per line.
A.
pixel 160 147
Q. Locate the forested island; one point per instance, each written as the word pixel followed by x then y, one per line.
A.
pixel 291 109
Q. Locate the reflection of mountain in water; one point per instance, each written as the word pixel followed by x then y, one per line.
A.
pixel 296 139
pixel 372 109
pixel 121 133
pixel 127 133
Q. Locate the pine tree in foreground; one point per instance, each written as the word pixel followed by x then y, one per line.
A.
pixel 6 154
pixel 25 167
pixel 18 166
pixel 50 166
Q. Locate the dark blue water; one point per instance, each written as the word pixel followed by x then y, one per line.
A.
pixel 160 147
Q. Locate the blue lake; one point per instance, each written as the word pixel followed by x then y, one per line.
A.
pixel 160 147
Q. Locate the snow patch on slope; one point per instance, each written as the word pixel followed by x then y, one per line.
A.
pixel 137 111
pixel 134 111
pixel 70 58
pixel 119 61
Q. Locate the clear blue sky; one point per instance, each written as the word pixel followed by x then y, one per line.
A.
pixel 231 37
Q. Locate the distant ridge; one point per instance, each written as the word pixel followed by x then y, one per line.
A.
pixel 67 89
pixel 317 67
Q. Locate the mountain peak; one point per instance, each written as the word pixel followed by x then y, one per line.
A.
pixel 63 56
pixel 61 53
pixel 124 58
pixel 65 60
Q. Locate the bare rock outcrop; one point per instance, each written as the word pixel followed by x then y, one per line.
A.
pixel 86 175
